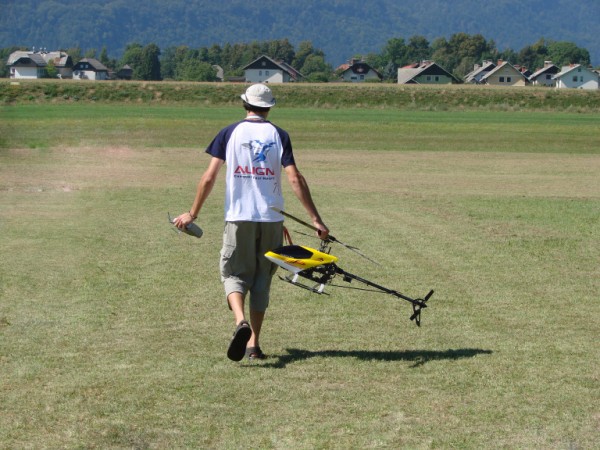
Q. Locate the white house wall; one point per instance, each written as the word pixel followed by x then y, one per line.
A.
pixel 545 79
pixel 89 75
pixel 578 80
pixel 26 72
pixel 590 84
pixel 433 79
pixel 570 84
pixel 264 76
pixel 357 78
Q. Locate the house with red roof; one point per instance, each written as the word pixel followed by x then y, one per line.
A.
pixel 358 71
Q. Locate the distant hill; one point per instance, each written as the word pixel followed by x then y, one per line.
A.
pixel 341 28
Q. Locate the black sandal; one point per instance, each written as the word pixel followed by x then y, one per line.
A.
pixel 255 353
pixel 237 346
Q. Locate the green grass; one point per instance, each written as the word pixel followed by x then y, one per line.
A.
pixel 113 328
pixel 305 95
pixel 75 125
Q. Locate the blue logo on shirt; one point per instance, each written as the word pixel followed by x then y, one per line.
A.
pixel 259 149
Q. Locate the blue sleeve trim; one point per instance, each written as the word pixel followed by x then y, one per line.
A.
pixel 218 146
pixel 287 158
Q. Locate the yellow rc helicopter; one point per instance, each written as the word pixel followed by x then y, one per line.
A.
pixel 320 268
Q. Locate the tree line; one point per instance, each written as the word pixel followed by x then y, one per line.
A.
pixel 457 55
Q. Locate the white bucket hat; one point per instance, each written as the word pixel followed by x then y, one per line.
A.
pixel 259 95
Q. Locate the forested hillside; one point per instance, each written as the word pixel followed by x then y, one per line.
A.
pixel 341 28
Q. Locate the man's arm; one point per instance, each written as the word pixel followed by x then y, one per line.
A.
pixel 205 186
pixel 300 188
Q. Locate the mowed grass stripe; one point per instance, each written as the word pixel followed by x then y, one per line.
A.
pixel 43 126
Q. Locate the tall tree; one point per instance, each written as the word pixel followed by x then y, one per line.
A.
pixel 417 49
pixel 193 69
pixel 508 54
pixel 168 64
pixel 305 48
pixel 540 50
pixel 563 53
pixel 315 69
pixel 104 59
pixel 150 63
pixel 133 57
pixel 395 52
pixel 281 50
pixel 143 60
pixel 214 55
pixel 75 54
pixel 91 53
pixel 458 54
pixel 4 54
pixel 305 51
pixel 50 71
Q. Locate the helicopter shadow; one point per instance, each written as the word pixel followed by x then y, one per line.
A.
pixel 417 357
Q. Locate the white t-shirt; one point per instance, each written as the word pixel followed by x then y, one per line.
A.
pixel 254 152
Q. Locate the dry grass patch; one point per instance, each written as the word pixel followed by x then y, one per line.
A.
pixel 76 168
pixel 457 173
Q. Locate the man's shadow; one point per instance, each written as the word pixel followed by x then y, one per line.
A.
pixel 417 357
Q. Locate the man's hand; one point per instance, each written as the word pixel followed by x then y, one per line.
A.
pixel 322 230
pixel 183 220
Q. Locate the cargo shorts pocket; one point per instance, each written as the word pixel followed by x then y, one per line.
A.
pixel 226 260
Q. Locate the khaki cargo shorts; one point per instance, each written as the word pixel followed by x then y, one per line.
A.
pixel 244 267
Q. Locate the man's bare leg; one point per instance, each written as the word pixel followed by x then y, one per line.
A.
pixel 236 303
pixel 256 321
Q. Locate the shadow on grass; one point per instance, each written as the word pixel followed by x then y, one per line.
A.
pixel 417 357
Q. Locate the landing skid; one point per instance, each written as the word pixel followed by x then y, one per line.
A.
pixel 316 289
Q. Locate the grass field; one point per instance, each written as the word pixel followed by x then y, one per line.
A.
pixel 113 328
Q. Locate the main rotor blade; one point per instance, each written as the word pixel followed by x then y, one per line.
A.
pixel 357 251
pixel 330 237
pixel 296 219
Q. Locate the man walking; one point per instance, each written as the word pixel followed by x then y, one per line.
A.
pixel 255 151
